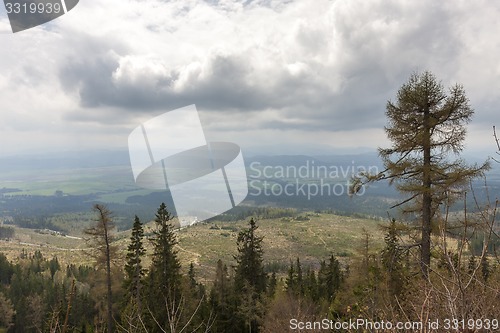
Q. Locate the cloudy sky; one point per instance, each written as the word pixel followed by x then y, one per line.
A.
pixel 287 76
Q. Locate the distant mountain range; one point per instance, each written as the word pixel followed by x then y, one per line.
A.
pixel 312 182
pixel 120 158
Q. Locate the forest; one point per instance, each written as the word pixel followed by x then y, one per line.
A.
pixel 125 294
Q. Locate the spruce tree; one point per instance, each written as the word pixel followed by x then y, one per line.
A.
pixel 221 287
pixel 392 257
pixel 300 278
pixel 333 278
pixel 164 276
pixel 271 287
pixel 312 285
pixel 291 280
pixel 192 278
pixel 250 266
pixel 485 268
pixel 471 265
pixel 250 278
pixel 7 312
pixel 295 280
pixel 222 300
pixel 134 280
pixel 165 268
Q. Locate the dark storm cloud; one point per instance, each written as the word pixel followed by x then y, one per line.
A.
pixel 348 74
pixel 226 85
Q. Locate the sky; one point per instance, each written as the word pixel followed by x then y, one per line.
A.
pixel 273 76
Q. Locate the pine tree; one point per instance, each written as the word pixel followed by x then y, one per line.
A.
pixel 300 278
pixel 485 268
pixel 471 265
pixel 6 312
pixel 392 256
pixel 134 280
pixel 333 278
pixel 54 266
pixel 322 274
pixel 221 286
pixel 312 285
pixel 193 285
pixel 295 280
pixel 271 288
pixel 165 268
pixel 196 307
pixel 291 280
pixel 250 278
pixel 250 266
pixel 222 300
pixel 425 125
pixel 6 269
pixel 164 275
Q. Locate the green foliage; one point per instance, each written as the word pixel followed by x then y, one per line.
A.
pixel 6 312
pixel 375 285
pixel 272 285
pixel 222 299
pixel 485 268
pixel 35 222
pixel 37 297
pixel 250 280
pixel 330 277
pixel 309 292
pixel 425 126
pixel 6 270
pixel 393 256
pixel 165 268
pixel 243 212
pixel 164 279
pixel 250 268
pixel 133 283
pixel 6 232
pixel 134 270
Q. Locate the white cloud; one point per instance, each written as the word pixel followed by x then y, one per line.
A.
pixel 297 70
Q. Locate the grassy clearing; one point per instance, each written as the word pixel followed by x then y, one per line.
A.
pixel 284 240
pixel 313 239
pixel 67 250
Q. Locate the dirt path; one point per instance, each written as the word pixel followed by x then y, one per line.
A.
pixel 196 255
pixel 321 239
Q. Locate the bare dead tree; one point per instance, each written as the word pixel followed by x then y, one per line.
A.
pixel 104 252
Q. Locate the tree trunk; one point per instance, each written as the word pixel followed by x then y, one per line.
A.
pixel 425 252
pixel 108 281
pixel 102 236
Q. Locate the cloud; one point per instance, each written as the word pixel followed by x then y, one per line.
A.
pixel 317 62
pixel 288 68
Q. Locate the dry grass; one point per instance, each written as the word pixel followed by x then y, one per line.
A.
pixel 203 244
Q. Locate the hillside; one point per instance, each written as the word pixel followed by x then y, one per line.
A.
pixel 311 236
